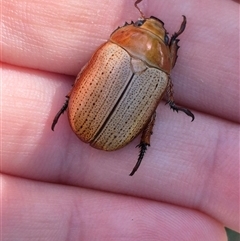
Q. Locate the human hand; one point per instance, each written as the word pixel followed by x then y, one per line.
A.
pixel 55 187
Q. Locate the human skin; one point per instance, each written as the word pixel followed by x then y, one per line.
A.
pixel 55 187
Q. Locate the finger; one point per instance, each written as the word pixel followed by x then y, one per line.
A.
pixel 58 36
pixel 188 164
pixel 55 212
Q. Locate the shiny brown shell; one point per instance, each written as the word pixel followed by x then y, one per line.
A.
pixel 114 97
pixel 116 94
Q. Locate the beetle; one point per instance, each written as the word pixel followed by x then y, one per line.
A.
pixel 115 95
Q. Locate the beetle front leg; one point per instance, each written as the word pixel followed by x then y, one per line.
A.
pixel 173 44
pixel 171 102
pixel 145 142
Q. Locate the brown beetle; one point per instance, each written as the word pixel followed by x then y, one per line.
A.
pixel 115 95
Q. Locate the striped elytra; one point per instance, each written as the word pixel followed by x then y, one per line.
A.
pixel 110 106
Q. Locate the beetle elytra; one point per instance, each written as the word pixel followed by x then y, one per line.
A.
pixel 115 96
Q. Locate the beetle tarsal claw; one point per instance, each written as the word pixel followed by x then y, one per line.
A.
pixel 176 108
pixel 143 148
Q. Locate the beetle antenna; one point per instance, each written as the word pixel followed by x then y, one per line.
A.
pixel 136 6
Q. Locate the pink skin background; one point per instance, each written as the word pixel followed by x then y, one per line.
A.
pixel 55 187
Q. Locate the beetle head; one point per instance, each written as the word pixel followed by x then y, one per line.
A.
pixel 152 24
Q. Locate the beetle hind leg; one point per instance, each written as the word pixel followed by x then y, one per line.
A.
pixel 144 143
pixel 143 147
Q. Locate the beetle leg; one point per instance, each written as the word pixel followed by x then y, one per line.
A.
pixel 173 45
pixel 61 111
pixel 171 102
pixel 145 142
pixel 136 6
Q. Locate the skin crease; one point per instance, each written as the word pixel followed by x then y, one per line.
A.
pixel 54 187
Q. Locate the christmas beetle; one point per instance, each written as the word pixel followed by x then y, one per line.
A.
pixel 115 95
